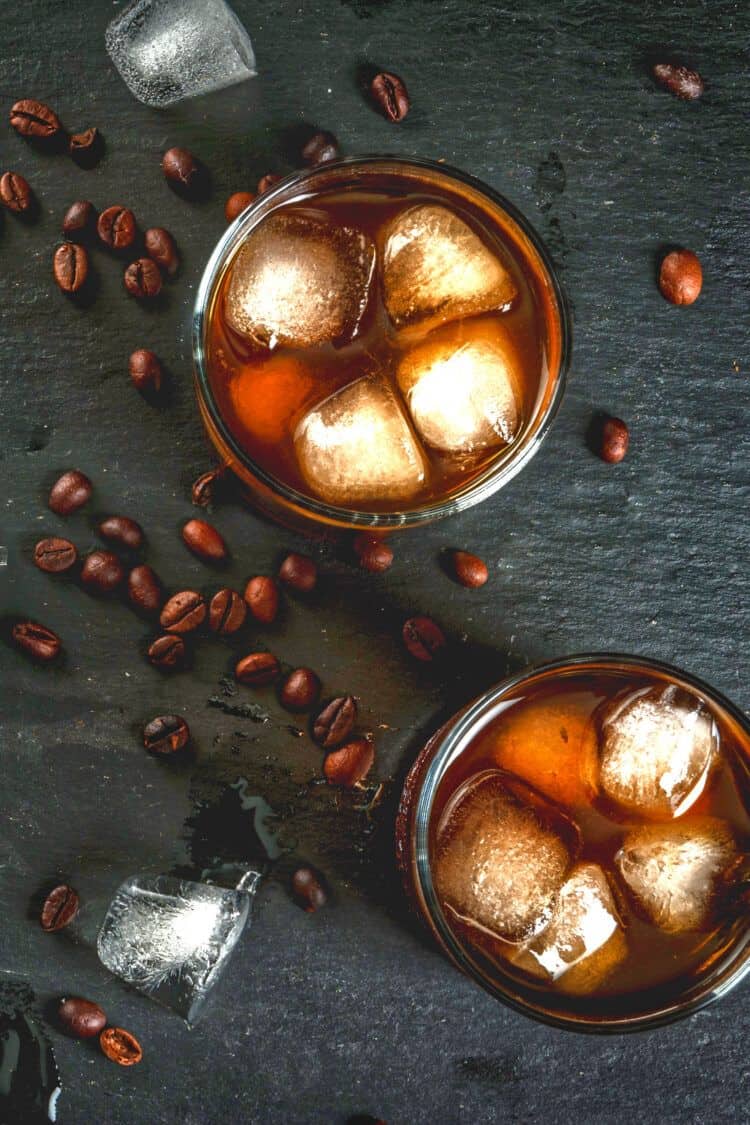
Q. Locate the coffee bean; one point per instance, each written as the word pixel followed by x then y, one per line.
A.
pixel 226 612
pixel 204 541
pixel 70 492
pixel 262 596
pixel 167 652
pixel 298 572
pixel 236 204
pixel 183 612
pixel 142 279
pixel 70 267
pixel 300 689
pixel 267 181
pixel 680 81
pixel 321 148
pixel 15 192
pixel 350 764
pixel 614 440
pixel 116 227
pixel 308 889
pixel 78 218
pixel 55 556
pixel 390 96
pixel 374 553
pixel 166 734
pixel 204 488
pixel 85 147
pixel 469 569
pixel 102 572
pixel 423 638
pixel 81 1018
pixel 160 246
pixel 145 371
pixel 180 167
pixel 37 641
pixel 59 909
pixel 681 277
pixel 335 722
pixel 120 1046
pixel 122 530
pixel 257 670
pixel 31 118
pixel 144 589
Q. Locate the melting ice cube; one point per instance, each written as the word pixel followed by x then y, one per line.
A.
pixel 299 280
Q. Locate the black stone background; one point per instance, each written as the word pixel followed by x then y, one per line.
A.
pixel 351 1010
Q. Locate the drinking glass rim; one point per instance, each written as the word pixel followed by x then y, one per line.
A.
pixel 447 746
pixel 494 476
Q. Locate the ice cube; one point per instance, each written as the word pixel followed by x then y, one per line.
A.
pixel 673 870
pixel 435 269
pixel 496 864
pixel 356 447
pixel 462 388
pixel 584 941
pixel 299 280
pixel 658 746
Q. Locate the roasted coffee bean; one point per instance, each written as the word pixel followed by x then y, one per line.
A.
pixel 236 204
pixel 308 889
pixel 335 722
pixel 298 572
pixel 31 118
pixel 226 612
pixel 37 641
pixel 321 148
pixel 204 541
pixel 300 689
pixel 81 1018
pixel 55 555
pixel 183 612
pixel 390 96
pixel 142 279
pixel 160 246
pixel 70 492
pixel 614 440
pixel 469 570
pixel 350 763
pixel 681 277
pixel 180 167
pixel 145 371
pixel 70 267
pixel 144 589
pixel 204 488
pixel 166 734
pixel 167 651
pixel 262 597
pixel 374 553
pixel 680 81
pixel 423 638
pixel 15 192
pixel 102 571
pixel 257 670
pixel 120 1046
pixel 85 147
pixel 116 227
pixel 267 181
pixel 122 530
pixel 59 909
pixel 78 218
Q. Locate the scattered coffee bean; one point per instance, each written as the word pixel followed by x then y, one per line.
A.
pixel 681 277
pixel 236 204
pixel 257 670
pixel 116 227
pixel 37 641
pixel 390 96
pixel 78 218
pixel 70 492
pixel 122 530
pixel 144 589
pixel 226 612
pixel 298 572
pixel 680 81
pixel 267 181
pixel 350 764
pixel 262 597
pixel 167 652
pixel 70 267
pixel 145 371
pixel 614 440
pixel 31 118
pixel 84 147
pixel 183 612
pixel 204 541
pixel 204 488
pixel 308 890
pixel 81 1018
pixel 54 556
pixel 180 167
pixel 300 689
pixel 59 909
pixel 423 638
pixel 166 734
pixel 335 722
pixel 142 279
pixel 321 148
pixel 120 1046
pixel 15 193
pixel 470 570
pixel 102 571
pixel 374 553
pixel 160 246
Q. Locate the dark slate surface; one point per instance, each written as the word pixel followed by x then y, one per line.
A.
pixel 351 1010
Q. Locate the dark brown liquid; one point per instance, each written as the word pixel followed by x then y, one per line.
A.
pixel 539 739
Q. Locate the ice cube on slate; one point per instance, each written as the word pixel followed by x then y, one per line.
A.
pixel 496 865
pixel 299 280
pixel 356 447
pixel 673 869
pixel 658 746
pixel 435 269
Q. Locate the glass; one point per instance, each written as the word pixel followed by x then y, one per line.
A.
pixel 361 175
